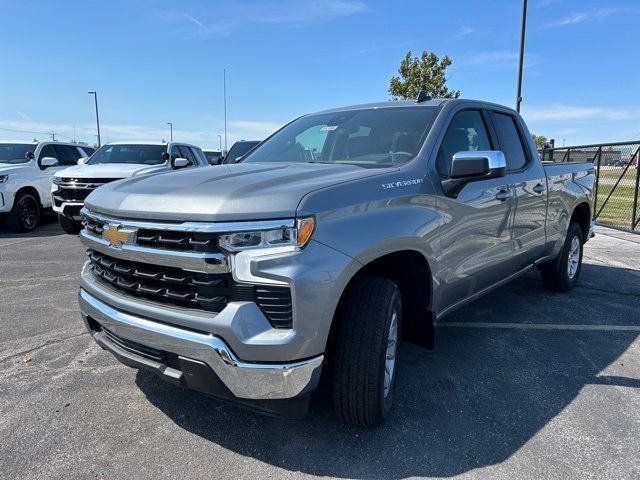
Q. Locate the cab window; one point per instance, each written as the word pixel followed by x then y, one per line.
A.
pixel 465 132
pixel 509 140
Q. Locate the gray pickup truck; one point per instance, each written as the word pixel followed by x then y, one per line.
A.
pixel 342 233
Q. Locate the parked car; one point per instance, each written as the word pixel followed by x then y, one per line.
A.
pixel 214 157
pixel 115 161
pixel 26 171
pixel 240 149
pixel 344 232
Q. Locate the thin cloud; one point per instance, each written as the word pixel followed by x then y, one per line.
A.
pixel 23 116
pixel 559 112
pixel 498 58
pixel 229 17
pixel 236 130
pixel 587 16
pixel 465 31
pixel 193 20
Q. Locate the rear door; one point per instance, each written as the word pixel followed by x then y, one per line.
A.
pixel 529 182
pixel 476 247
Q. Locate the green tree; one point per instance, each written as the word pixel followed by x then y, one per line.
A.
pixel 426 72
pixel 539 140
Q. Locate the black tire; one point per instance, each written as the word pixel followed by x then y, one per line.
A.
pixel 556 275
pixel 69 225
pixel 359 359
pixel 25 214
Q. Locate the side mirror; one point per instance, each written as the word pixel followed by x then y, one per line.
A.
pixel 82 161
pixel 473 166
pixel 47 162
pixel 165 156
pixel 180 163
pixel 29 155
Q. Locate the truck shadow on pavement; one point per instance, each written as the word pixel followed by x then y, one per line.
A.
pixel 472 402
pixel 48 227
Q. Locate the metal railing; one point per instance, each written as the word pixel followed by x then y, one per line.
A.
pixel 617 180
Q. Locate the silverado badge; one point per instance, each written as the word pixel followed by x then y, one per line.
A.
pixel 118 236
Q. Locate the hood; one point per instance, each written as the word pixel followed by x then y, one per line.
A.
pixel 110 170
pixel 8 168
pixel 222 193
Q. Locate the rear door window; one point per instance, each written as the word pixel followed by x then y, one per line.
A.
pixel 509 140
pixel 465 132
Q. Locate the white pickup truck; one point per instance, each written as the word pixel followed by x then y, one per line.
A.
pixel 26 171
pixel 115 161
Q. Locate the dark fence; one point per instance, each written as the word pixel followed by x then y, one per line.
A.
pixel 617 180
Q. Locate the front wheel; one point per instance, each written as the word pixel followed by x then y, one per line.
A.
pixel 562 274
pixel 25 215
pixel 365 357
pixel 69 225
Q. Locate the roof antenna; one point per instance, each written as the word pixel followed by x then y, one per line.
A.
pixel 423 96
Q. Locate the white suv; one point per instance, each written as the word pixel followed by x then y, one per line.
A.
pixel 26 171
pixel 115 161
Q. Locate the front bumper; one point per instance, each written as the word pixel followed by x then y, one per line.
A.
pixel 195 360
pixel 68 209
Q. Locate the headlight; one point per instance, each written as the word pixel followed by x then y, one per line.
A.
pixel 296 236
pixel 4 178
pixel 57 180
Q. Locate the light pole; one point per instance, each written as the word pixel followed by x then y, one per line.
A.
pixel 220 140
pixel 171 130
pixel 224 88
pixel 521 61
pixel 95 98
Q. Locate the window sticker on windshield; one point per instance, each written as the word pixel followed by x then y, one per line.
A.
pixel 328 128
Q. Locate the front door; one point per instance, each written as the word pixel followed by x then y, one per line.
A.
pixel 476 241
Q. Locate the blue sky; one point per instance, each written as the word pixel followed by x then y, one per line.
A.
pixel 154 62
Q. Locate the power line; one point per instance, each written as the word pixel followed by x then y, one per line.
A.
pixel 53 134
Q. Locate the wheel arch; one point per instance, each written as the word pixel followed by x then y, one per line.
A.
pixel 581 214
pixel 410 270
pixel 31 190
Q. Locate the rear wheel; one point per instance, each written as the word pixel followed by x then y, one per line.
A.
pixel 365 357
pixel 70 225
pixel 25 214
pixel 562 274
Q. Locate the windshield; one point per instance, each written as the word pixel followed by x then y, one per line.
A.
pixel 137 154
pixel 239 149
pixel 380 137
pixel 14 153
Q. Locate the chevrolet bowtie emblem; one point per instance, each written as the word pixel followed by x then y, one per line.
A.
pixel 118 236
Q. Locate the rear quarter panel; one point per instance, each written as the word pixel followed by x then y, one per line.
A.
pixel 569 184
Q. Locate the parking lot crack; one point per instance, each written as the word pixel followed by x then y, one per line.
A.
pixel 38 347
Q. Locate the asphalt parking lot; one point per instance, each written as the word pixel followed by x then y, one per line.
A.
pixel 523 384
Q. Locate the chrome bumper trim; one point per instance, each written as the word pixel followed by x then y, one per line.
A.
pixel 255 381
pixel 190 261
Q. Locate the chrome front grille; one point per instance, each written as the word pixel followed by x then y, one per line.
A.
pixel 184 240
pixel 210 292
pixel 78 189
pixel 175 264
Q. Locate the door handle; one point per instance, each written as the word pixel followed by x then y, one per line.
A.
pixel 539 188
pixel 503 195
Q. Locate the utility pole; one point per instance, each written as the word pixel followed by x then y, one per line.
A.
pixel 521 61
pixel 95 98
pixel 224 87
pixel 171 130
pixel 53 136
